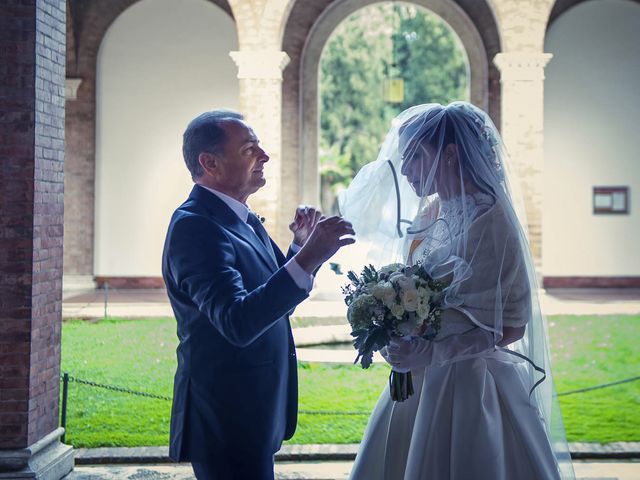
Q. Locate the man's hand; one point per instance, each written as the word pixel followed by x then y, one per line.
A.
pixel 323 242
pixel 305 220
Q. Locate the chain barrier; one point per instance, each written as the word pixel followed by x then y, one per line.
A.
pixel 329 412
pixel 66 378
pixel 114 388
pixel 598 387
pixel 118 389
pixel 313 412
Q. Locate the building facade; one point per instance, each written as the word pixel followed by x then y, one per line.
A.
pixel 137 71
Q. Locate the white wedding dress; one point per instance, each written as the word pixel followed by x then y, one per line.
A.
pixel 469 418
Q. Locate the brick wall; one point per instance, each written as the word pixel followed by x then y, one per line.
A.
pixel 31 223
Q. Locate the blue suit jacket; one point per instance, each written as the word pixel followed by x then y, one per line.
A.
pixel 236 386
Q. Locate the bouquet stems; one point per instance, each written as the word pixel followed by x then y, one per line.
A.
pixel 400 385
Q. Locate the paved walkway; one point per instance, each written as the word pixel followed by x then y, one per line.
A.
pixel 585 470
pixel 326 306
pixel 315 462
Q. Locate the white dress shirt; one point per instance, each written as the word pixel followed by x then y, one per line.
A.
pixel 301 278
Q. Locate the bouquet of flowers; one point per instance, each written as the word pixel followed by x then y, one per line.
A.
pixel 396 300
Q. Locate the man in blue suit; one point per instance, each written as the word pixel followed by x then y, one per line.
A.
pixel 232 290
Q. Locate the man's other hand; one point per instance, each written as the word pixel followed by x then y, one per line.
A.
pixel 324 241
pixel 305 220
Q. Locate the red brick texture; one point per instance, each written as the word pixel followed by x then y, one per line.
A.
pixel 130 282
pixel 32 48
pixel 591 282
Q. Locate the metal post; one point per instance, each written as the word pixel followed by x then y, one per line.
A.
pixel 106 298
pixel 65 394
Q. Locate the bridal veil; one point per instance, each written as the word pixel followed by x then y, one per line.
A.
pixel 434 158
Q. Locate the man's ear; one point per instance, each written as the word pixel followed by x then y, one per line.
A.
pixel 208 161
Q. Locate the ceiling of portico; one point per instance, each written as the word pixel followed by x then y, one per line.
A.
pixel 562 6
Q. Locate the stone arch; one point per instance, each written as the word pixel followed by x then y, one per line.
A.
pixel 89 22
pixel 160 64
pixel 591 103
pixel 305 33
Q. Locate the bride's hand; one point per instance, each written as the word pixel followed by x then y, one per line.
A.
pixel 406 354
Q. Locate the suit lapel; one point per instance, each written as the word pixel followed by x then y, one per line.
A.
pixel 243 231
pixel 229 220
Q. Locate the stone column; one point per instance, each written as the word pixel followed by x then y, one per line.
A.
pixel 79 167
pixel 32 91
pixel 522 78
pixel 260 75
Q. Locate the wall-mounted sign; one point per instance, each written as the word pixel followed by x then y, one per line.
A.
pixel 610 199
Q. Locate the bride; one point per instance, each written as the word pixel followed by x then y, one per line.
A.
pixel 484 405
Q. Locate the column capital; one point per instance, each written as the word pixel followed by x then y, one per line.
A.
pixel 260 64
pixel 520 66
pixel 71 86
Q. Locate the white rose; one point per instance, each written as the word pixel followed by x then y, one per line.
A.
pixel 378 291
pixel 388 295
pixel 424 294
pixel 397 310
pixel 423 310
pixel 410 300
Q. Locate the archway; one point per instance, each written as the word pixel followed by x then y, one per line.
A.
pixel 160 64
pixel 307 29
pixel 395 39
pixel 591 107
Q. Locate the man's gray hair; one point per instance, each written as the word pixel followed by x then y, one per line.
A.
pixel 205 134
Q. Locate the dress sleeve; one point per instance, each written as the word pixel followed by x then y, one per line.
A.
pixel 497 292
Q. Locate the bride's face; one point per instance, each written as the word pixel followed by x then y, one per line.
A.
pixel 418 169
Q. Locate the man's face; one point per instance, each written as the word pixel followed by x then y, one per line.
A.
pixel 417 168
pixel 241 165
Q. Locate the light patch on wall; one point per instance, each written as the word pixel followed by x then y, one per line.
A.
pixel 161 63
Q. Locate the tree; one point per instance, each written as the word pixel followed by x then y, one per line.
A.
pixel 430 59
pixel 354 117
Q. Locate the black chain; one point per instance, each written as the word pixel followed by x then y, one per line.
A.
pixel 314 412
pixel 118 389
pixel 329 412
pixel 598 387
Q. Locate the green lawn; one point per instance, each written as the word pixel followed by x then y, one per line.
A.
pixel 140 355
pixel 593 350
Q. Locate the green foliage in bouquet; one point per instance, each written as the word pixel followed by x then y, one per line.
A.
pixel 397 300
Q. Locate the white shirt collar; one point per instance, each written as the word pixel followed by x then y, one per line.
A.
pixel 239 208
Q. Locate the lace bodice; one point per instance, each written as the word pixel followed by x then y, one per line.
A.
pixel 439 239
pixel 447 224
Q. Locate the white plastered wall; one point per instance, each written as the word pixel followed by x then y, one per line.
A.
pixel 592 138
pixel 160 64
